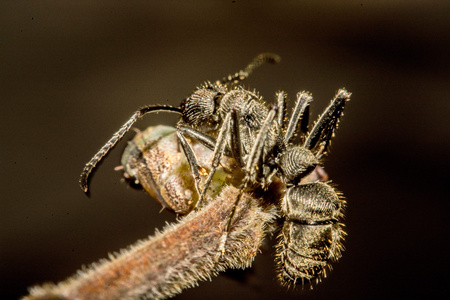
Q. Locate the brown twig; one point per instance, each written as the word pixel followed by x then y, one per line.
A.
pixel 162 265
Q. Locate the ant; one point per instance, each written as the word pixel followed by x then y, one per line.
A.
pixel 235 122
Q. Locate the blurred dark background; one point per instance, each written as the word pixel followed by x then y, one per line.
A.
pixel 72 72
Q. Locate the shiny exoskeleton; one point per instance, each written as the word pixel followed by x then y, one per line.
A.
pixel 235 122
pixel 311 235
pixel 192 110
pixel 260 139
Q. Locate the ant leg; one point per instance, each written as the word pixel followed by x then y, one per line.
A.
pixel 256 62
pixel 281 104
pixel 255 157
pixel 207 141
pixel 84 177
pixel 304 122
pixel 253 161
pixel 217 155
pixel 210 143
pixel 327 123
pixel 298 114
pixel 191 158
pixel 235 140
pixel 230 128
pixel 202 138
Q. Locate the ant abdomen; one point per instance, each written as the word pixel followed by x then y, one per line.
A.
pixel 311 235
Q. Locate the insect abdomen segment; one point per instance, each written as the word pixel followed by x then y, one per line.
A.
pixel 311 235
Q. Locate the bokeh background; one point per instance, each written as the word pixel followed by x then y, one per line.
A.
pixel 73 71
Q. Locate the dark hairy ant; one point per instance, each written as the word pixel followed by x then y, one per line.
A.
pixel 235 122
pixel 192 111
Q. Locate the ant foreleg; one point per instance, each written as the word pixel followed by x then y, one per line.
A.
pixel 253 162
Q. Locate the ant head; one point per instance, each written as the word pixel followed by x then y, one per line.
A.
pixel 199 109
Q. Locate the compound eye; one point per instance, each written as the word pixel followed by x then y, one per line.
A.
pixel 199 108
pixel 297 163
